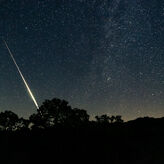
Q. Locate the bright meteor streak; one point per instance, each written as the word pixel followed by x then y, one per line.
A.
pixel 28 88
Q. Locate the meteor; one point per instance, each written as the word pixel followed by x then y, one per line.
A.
pixel 25 83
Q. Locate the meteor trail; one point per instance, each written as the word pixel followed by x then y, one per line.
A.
pixel 28 88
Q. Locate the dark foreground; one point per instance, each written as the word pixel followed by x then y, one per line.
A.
pixel 139 141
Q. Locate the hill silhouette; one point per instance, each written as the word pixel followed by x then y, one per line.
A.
pixel 58 133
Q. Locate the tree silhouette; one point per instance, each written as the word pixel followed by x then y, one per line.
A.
pixel 21 124
pixel 118 119
pixel 37 120
pixel 107 119
pixel 56 111
pixel 78 117
pixel 103 118
pixel 8 120
pixel 112 119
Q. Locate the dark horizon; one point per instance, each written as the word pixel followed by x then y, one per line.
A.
pixel 58 133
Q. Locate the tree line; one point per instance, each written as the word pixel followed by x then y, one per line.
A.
pixel 52 113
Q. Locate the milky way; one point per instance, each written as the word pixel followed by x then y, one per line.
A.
pixel 105 56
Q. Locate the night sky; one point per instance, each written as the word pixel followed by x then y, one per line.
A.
pixel 105 56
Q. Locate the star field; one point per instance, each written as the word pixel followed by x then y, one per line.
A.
pixel 106 56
